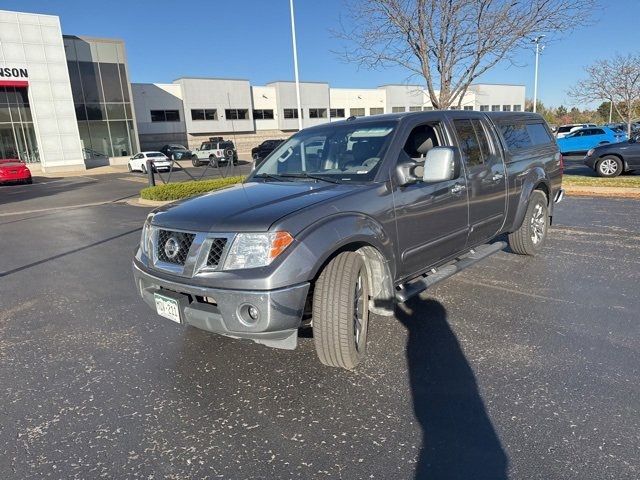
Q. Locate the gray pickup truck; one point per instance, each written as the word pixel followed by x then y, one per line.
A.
pixel 347 219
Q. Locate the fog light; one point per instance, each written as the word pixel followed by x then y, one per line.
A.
pixel 248 314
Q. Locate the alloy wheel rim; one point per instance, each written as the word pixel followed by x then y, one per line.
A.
pixel 538 224
pixel 358 311
pixel 608 167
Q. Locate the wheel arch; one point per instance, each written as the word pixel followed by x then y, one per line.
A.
pixel 536 179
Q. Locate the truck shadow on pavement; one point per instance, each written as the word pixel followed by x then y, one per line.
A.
pixel 459 441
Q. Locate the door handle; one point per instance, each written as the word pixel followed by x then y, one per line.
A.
pixel 457 188
pixel 497 176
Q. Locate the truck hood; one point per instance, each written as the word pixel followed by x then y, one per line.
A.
pixel 248 207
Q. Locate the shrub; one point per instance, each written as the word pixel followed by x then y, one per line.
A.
pixel 177 191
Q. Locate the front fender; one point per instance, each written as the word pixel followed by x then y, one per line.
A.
pixel 531 180
pixel 335 232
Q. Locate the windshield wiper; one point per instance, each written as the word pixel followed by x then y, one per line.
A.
pixel 279 178
pixel 314 177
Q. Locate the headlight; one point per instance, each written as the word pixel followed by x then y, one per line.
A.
pixel 590 152
pixel 250 250
pixel 145 238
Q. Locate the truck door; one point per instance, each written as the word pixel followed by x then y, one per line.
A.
pixel 486 178
pixel 431 218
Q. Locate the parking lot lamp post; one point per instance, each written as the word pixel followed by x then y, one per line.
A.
pixel 295 64
pixel 535 80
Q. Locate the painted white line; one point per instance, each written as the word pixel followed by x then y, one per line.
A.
pixel 68 207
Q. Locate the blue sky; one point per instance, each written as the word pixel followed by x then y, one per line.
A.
pixel 251 39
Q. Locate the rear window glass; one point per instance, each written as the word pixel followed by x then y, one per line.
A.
pixel 538 134
pixel 155 154
pixel 519 136
pixel 565 129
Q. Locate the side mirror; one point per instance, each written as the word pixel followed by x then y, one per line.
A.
pixel 405 172
pixel 440 165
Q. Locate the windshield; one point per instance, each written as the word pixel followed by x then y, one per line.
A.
pixel 345 152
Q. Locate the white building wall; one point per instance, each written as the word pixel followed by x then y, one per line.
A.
pixel 352 98
pixel 157 96
pixel 221 94
pixel 34 42
pixel 312 95
pixel 264 98
pixel 498 95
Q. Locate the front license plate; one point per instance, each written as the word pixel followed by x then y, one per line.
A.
pixel 167 307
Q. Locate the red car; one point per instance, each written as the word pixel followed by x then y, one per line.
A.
pixel 14 170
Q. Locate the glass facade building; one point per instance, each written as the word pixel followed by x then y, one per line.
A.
pixel 101 96
pixel 17 134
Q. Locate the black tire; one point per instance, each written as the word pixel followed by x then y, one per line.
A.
pixel 341 295
pixel 130 170
pixel 530 237
pixel 143 167
pixel 29 181
pixel 195 162
pixel 213 161
pixel 609 167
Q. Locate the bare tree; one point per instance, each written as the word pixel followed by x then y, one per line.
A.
pixel 450 43
pixel 616 80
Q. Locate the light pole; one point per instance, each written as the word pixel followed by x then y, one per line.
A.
pixel 295 64
pixel 535 80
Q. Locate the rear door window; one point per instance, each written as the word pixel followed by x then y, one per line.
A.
pixel 516 136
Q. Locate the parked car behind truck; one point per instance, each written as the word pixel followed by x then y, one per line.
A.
pixel 321 238
pixel 584 139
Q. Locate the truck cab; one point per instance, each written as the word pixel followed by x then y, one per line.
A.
pixel 351 218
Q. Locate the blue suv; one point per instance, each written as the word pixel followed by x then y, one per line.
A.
pixel 587 138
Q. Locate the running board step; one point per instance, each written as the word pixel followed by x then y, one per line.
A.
pixel 408 290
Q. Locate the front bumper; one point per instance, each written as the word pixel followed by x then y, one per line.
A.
pixel 280 311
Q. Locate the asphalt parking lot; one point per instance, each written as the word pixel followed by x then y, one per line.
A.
pixel 523 368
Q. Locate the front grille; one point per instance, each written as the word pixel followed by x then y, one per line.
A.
pixel 217 247
pixel 173 247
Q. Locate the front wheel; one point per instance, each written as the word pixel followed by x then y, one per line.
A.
pixel 143 168
pixel 609 167
pixel 530 237
pixel 341 311
pixel 130 169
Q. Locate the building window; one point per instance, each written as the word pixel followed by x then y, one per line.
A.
pixel 263 114
pixel 517 108
pixel 317 113
pixel 506 108
pixel 356 112
pixel 204 114
pixel 337 112
pixel 156 115
pixel 454 107
pixel 415 109
pixel 428 109
pixel 468 107
pixel 495 108
pixel 376 111
pixel 290 113
pixel 236 114
pixel 397 109
pixel 484 108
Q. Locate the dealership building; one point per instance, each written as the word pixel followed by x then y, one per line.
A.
pixel 66 102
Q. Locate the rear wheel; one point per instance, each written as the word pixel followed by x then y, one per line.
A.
pixel 213 161
pixel 341 311
pixel 143 168
pixel 609 167
pixel 530 237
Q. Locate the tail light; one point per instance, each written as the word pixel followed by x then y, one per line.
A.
pixel 561 163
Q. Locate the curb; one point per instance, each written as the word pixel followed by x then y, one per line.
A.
pixel 141 202
pixel 590 191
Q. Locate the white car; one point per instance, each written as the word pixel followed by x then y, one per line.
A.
pixel 564 130
pixel 138 163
